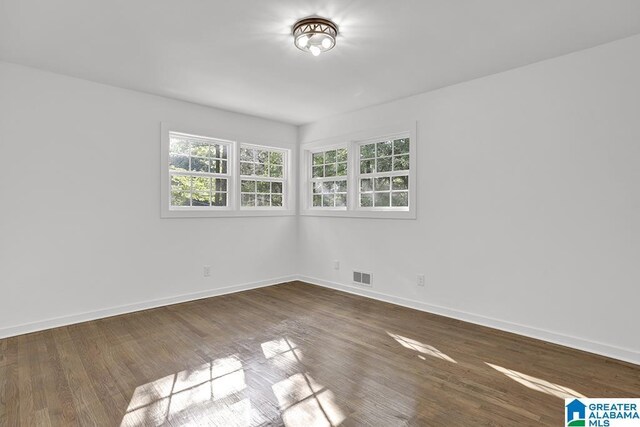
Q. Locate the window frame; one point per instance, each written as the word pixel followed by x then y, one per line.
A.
pixel 233 208
pixel 285 180
pixel 353 142
pixel 311 180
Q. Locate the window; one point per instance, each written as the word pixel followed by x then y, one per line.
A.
pixel 384 173
pixel 204 176
pixel 199 171
pixel 369 174
pixel 329 178
pixel 263 177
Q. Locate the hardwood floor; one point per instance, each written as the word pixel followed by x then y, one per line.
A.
pixel 297 355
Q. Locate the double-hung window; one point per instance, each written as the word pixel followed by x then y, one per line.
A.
pixel 263 179
pixel 384 166
pixel 329 178
pixel 199 170
pixel 368 174
pixel 207 176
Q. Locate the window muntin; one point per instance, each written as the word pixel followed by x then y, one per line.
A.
pixel 199 171
pixel 383 179
pixel 263 180
pixel 329 169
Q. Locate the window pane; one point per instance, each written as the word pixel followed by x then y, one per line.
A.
pixel 366 184
pixel 341 155
pixel 401 146
pixel 201 185
pixel 179 145
pixel 275 158
pixel 318 171
pixel 342 169
pixel 317 200
pixel 264 187
pixel 327 200
pixel 366 200
pixel 318 158
pixel 246 169
pixel 248 200
pixel 384 148
pixel 366 166
pixel 263 200
pixel 200 149
pixel 275 171
pixel 180 198
pixel 220 185
pixel 400 182
pixel 181 183
pixel 382 184
pixel 199 164
pixel 219 199
pixel 400 198
pixel 261 170
pixel 223 166
pixel 246 155
pixel 200 199
pixel 276 187
pixel 401 163
pixel 216 166
pixel 341 200
pixel 327 187
pixel 330 170
pixel 317 187
pixel 263 156
pixel 330 156
pixel 178 162
pixel 381 199
pixel 248 186
pixel 367 151
pixel 342 186
pixel 276 200
pixel 384 164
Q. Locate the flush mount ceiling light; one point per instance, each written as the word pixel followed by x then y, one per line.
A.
pixel 315 35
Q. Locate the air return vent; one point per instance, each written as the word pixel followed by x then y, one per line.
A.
pixel 362 278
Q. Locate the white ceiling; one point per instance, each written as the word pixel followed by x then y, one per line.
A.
pixel 238 55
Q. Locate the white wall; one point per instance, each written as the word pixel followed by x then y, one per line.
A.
pixel 80 227
pixel 528 203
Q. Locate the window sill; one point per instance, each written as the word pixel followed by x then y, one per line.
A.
pixel 226 213
pixel 388 214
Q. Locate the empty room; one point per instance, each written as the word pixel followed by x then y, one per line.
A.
pixel 320 213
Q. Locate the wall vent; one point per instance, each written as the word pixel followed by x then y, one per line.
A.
pixel 361 278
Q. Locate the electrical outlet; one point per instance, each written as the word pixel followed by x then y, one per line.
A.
pixel 206 271
pixel 336 265
pixel 420 281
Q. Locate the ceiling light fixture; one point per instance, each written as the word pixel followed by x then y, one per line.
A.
pixel 315 35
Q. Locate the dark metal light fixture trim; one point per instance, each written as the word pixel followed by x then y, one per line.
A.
pixel 315 35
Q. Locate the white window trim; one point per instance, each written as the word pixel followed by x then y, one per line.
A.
pixel 309 180
pixel 286 179
pixel 233 186
pixel 353 141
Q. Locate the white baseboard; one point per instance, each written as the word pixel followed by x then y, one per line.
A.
pixel 607 350
pixel 130 308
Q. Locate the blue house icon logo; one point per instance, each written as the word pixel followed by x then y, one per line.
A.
pixel 576 413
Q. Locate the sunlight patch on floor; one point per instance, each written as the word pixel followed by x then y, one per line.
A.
pixel 420 347
pixel 211 387
pixel 306 403
pixel 538 384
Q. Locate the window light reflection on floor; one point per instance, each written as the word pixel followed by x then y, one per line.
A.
pixel 420 347
pixel 305 403
pixel 156 402
pixel 537 383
